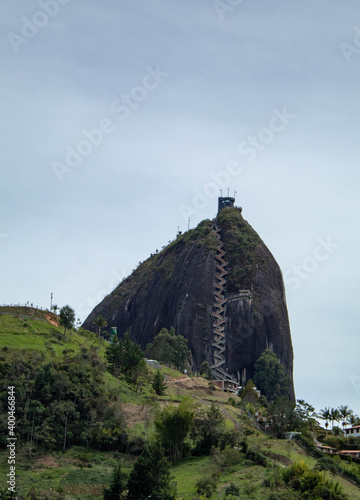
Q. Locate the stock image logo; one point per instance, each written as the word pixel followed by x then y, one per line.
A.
pixel 301 272
pixel 122 108
pixel 31 27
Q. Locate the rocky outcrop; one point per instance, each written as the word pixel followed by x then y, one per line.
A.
pixel 176 288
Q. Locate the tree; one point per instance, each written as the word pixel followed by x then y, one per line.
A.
pixel 354 420
pixel 125 357
pixel 173 425
pixel 270 376
pixel 249 394
pixel 150 477
pixel 334 416
pixel 113 355
pixel 132 359
pixel 304 414
pixel 205 370
pixel 158 384
pixel 345 413
pixel 116 487
pixel 325 415
pixel 169 348
pixel 54 308
pixel 282 415
pixel 67 317
pixel 209 429
pixel 100 322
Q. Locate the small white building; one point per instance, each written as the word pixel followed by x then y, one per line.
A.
pixel 351 453
pixel 353 431
pixel 324 448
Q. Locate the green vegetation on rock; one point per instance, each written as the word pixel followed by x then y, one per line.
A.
pixel 240 242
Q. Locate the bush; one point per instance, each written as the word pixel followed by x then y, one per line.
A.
pixel 350 474
pixel 292 474
pixel 229 457
pixel 309 446
pixel 206 485
pixel 273 478
pixel 328 464
pixel 256 457
pixel 334 441
pixel 232 490
pixel 310 483
pixel 228 438
pixel 285 495
pixel 244 446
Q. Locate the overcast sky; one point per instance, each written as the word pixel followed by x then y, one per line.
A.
pixel 122 119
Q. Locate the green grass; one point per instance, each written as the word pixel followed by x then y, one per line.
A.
pixel 75 473
pixel 82 473
pixel 25 334
pixel 189 472
pixel 246 476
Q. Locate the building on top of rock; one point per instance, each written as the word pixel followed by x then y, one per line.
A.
pixel 225 202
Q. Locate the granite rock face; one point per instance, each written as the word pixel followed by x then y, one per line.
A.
pixel 176 288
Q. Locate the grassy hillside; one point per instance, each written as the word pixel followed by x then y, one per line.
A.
pixel 19 330
pixel 81 472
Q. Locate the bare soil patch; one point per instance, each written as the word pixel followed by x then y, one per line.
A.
pixel 135 414
pixel 189 383
pixel 45 461
pixel 50 318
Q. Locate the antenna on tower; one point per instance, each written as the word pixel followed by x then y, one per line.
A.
pixel 221 192
pixel 235 194
pixel 188 223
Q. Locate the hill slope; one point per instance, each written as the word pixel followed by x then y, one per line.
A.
pixel 29 329
pixel 83 472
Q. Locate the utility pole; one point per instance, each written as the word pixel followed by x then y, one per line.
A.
pixel 51 297
pixel 188 223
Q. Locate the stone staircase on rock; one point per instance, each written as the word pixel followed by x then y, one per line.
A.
pixel 218 367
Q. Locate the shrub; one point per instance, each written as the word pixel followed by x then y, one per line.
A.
pixel 257 457
pixel 309 446
pixel 232 490
pixel 310 483
pixel 285 495
pixel 228 438
pixel 250 488
pixel 229 457
pixel 273 478
pixel 334 441
pixel 292 474
pixel 206 485
pixel 327 463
